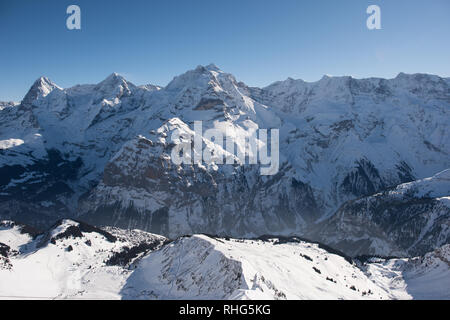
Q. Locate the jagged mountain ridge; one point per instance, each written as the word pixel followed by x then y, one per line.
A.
pixel 340 138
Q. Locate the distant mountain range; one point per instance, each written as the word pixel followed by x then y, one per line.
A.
pixel 363 162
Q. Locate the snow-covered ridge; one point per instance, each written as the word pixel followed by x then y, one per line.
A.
pixel 202 267
pixel 347 87
pixel 80 262
pixel 8 104
pixel 436 186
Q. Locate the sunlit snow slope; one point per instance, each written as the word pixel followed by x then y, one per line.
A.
pixel 77 261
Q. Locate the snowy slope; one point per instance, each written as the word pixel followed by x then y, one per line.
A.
pixel 204 267
pixel 426 277
pixel 15 235
pixel 73 260
pixel 201 267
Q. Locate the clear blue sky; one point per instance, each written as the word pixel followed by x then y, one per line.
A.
pixel 259 41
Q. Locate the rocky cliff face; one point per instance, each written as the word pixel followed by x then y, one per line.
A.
pixel 142 187
pixel 103 151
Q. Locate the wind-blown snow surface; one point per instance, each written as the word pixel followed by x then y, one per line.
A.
pixel 71 152
pixel 77 261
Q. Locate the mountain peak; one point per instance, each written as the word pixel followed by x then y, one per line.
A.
pixel 113 78
pixel 213 67
pixel 44 83
pixel 40 88
pixel 209 67
pixel 198 77
pixel 116 85
pixel 43 80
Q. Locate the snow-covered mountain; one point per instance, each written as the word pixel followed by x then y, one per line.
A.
pixel 101 152
pixel 204 267
pixel 73 260
pixel 353 137
pixel 70 260
pixel 142 188
pixel 4 104
pixel 407 220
